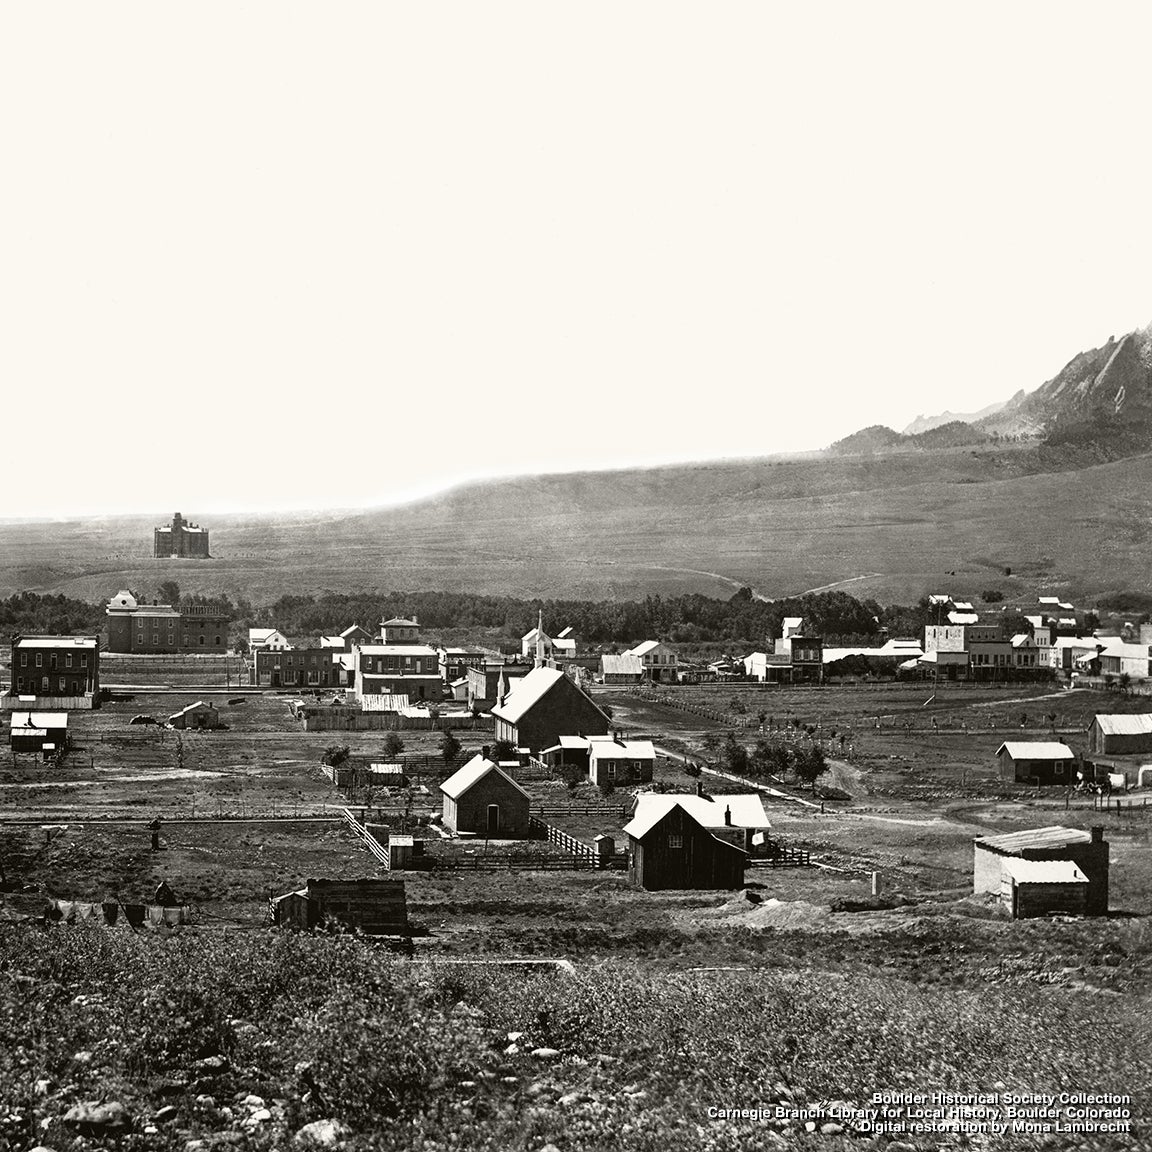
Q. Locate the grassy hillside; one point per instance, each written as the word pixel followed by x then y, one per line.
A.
pixel 782 526
pixel 244 1038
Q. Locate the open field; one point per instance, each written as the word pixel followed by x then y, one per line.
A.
pixel 781 526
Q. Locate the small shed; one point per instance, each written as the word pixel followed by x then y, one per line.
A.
pixel 199 716
pixel 45 733
pixel 623 669
pixel 673 850
pixel 374 907
pixel 387 775
pixel 1031 888
pixel 1036 762
pixel 1089 851
pixel 482 799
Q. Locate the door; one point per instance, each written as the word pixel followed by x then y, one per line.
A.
pixel 493 819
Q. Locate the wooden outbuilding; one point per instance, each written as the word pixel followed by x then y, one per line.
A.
pixel 1120 735
pixel 1089 851
pixel 42 733
pixel 1030 888
pixel 670 849
pixel 1037 762
pixel 481 799
pixel 373 907
pixel 199 716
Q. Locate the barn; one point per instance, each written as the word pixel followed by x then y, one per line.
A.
pixel 614 760
pixel 1120 735
pixel 669 849
pixel 482 800
pixel 1087 850
pixel 374 907
pixel 1036 762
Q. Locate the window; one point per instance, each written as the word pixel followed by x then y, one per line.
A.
pixel 20 684
pixel 23 659
pixel 39 659
pixel 675 840
pixel 68 660
pixel 201 639
pixel 44 684
pixel 61 683
pixel 83 661
pixel 611 769
pixel 74 689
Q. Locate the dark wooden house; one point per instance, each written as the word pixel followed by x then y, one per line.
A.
pixel 44 733
pixel 676 851
pixel 1036 762
pixel 199 715
pixel 374 907
pixel 544 705
pixel 483 800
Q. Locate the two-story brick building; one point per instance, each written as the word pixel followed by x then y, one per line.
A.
pixel 52 669
pixel 138 627
pixel 297 668
pixel 398 669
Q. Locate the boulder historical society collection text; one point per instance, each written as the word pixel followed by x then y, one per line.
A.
pixel 912 1113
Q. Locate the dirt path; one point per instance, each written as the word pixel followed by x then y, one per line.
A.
pixel 838 584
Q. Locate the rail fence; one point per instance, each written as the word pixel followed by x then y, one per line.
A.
pixel 369 841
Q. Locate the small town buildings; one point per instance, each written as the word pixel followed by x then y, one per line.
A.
pixel 544 705
pixel 669 848
pixel 568 752
pixel 945 650
pixel 990 651
pixel 55 668
pixel 455 662
pixel 197 716
pixel 41 733
pixel 614 760
pixel 623 669
pixel 373 907
pixel 348 639
pixel 1037 762
pixel 804 652
pixel 482 799
pixel 1087 850
pixel 400 630
pixel 1120 735
pixel 297 668
pixel 267 639
pixel 660 662
pixel 180 539
pixel 409 669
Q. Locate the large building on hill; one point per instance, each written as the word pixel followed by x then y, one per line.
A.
pixel 138 627
pixel 182 539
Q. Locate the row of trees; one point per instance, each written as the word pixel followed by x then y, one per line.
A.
pixel 770 757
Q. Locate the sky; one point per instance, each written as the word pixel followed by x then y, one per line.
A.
pixel 260 256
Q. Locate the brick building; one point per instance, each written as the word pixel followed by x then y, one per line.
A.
pixel 398 669
pixel 182 539
pixel 482 799
pixel 56 667
pixel 148 629
pixel 297 668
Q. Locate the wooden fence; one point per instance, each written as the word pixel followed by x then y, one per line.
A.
pixel 614 811
pixel 370 842
pixel 783 856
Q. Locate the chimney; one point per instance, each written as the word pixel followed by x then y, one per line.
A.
pixel 484 751
pixel 727 815
pixel 1097 834
pixel 699 788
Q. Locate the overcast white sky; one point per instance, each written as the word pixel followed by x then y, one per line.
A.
pixel 277 255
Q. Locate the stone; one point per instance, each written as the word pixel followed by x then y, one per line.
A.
pixel 549 1148
pixel 810 1126
pixel 250 1101
pixel 831 1128
pixel 150 1129
pixel 514 1036
pixel 82 1057
pixel 43 1087
pixel 194 1146
pixel 206 1101
pixel 570 1099
pixel 545 1053
pixel 512 1049
pixel 324 1133
pixel 213 1063
pixel 259 1116
pixel 92 1118
pixel 509 1079
pixel 163 1115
